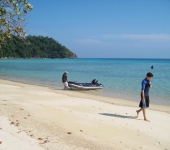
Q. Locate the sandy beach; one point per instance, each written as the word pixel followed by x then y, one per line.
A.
pixel 36 117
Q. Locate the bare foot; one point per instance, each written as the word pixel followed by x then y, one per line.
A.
pixel 147 120
pixel 137 114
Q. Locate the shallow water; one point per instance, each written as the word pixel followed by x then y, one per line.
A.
pixel 121 77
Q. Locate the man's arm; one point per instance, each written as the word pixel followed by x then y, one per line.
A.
pixel 143 91
pixel 143 96
pixel 150 85
pixel 66 79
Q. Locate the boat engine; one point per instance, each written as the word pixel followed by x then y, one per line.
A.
pixel 94 81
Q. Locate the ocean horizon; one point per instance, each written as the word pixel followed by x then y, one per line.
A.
pixel 121 77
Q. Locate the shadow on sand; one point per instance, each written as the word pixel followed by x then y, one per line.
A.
pixel 119 116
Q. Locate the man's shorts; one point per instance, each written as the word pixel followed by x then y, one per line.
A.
pixel 145 104
pixel 65 84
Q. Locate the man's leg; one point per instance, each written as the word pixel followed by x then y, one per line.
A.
pixel 140 105
pixel 138 111
pixel 144 114
pixel 147 106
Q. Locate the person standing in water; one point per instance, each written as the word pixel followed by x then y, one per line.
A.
pixel 144 103
pixel 64 80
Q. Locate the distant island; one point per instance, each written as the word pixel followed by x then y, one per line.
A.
pixel 34 47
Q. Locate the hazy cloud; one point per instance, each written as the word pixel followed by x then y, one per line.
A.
pixel 139 36
pixel 87 41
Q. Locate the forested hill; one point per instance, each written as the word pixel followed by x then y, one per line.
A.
pixel 34 47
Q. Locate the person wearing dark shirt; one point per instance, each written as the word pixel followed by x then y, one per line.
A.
pixel 64 80
pixel 144 103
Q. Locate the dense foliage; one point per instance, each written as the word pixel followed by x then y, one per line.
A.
pixel 12 18
pixel 34 47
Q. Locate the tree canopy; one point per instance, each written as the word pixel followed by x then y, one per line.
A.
pixel 12 18
pixel 34 47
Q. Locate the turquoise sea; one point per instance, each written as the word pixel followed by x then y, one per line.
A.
pixel 121 77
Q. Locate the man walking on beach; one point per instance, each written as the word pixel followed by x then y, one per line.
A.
pixel 144 103
pixel 64 80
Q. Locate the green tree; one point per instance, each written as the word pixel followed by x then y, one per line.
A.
pixel 34 47
pixel 12 18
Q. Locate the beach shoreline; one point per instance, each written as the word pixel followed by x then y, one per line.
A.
pixel 84 94
pixel 68 120
pixel 121 77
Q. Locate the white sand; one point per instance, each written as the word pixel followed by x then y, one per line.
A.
pixel 94 125
pixel 13 139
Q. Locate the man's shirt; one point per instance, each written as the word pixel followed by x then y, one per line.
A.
pixel 64 77
pixel 145 86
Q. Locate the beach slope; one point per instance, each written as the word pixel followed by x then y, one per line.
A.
pixel 36 117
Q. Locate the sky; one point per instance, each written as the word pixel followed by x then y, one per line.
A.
pixel 105 28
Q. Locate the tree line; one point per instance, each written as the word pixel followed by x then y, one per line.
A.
pixel 34 47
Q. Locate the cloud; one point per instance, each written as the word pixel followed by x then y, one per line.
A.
pixel 87 41
pixel 139 36
pixel 126 41
pixel 147 36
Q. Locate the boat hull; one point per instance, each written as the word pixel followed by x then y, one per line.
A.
pixel 84 86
